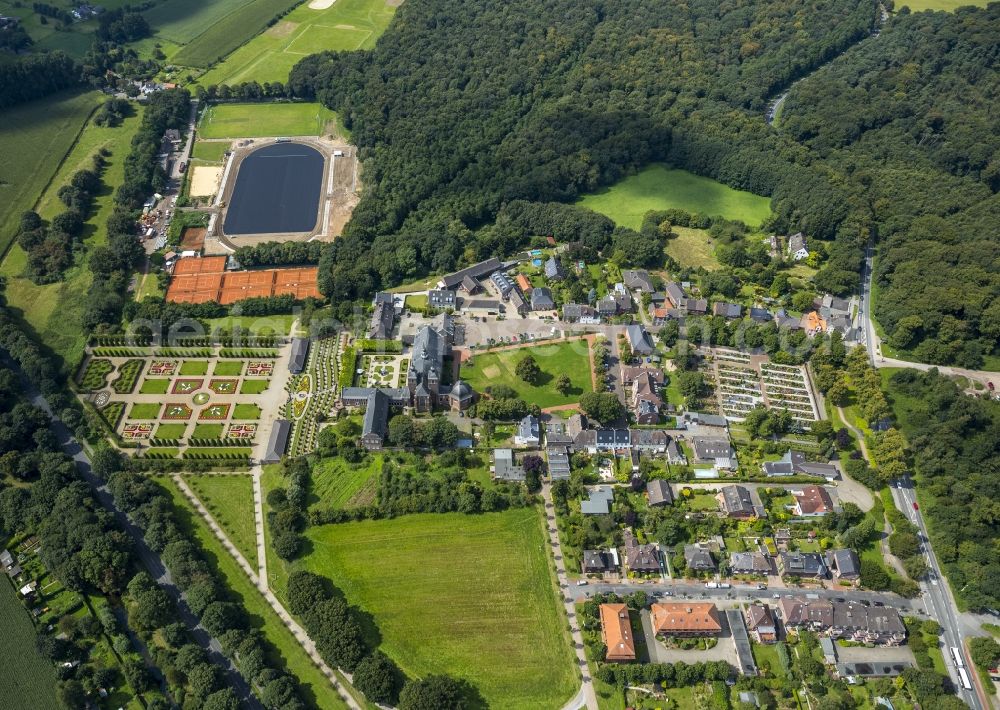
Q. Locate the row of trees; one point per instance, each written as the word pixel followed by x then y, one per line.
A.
pixel 279 254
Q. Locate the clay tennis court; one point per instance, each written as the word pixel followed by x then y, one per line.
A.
pixel 198 280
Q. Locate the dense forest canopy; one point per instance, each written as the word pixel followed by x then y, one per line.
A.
pixel 463 107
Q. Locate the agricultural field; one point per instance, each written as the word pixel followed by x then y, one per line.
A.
pixel 55 311
pixel 335 483
pixel 230 501
pixel 259 120
pixel 282 648
pixel 27 676
pixel 659 187
pixel 229 32
pixel 498 368
pixel 446 582
pixel 270 56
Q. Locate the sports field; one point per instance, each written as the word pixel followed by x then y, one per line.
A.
pixel 472 596
pixel 229 499
pixel 55 311
pixel 659 187
pixel 498 368
pixel 28 680
pixel 260 120
pixel 270 56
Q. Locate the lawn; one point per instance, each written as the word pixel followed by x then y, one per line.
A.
pixel 253 386
pixel 417 301
pixel 946 5
pixel 228 368
pixel 702 501
pixel 467 595
pixel 270 56
pixel 230 501
pixel 246 411
pixel 28 680
pixel 659 187
pixel 229 32
pixel 194 367
pixel 260 120
pixel 283 647
pixel 155 385
pixel 335 483
pixel 207 431
pixel 693 248
pixel 252 325
pixel 55 311
pixel 767 655
pixel 498 368
pixel 145 411
pixel 170 431
pixel 210 151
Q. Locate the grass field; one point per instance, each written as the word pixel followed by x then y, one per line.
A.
pixel 467 595
pixel 270 56
pixel 253 325
pixel 156 385
pixel 229 32
pixel 144 411
pixel 28 680
pixel 692 247
pixel 946 5
pixel 34 138
pixel 229 368
pixel 553 360
pixel 207 431
pixel 257 120
pixel 194 367
pixel 246 411
pixel 210 151
pixel 659 187
pixel 284 649
pixel 230 501
pixel 338 484
pixel 253 386
pixel 55 311
pixel 170 431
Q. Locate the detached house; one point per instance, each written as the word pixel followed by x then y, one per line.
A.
pixel 638 280
pixel 646 400
pixel 807 565
pixel 797 250
pixel 794 462
pixel 616 632
pixel 640 558
pixel 844 564
pixel 761 623
pixel 750 563
pixel 698 558
pixel 812 502
pixel 580 313
pixel 727 310
pixel 599 561
pixel 735 502
pixel 553 269
pixel 639 340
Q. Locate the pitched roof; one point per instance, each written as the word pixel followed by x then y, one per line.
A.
pixel 659 492
pixel 476 271
pixel 616 629
pixel 845 562
pixel 737 500
pixel 749 563
pixel 727 310
pixel 640 558
pixel 599 502
pixel 673 617
pixel 638 279
pixel 812 500
pixel 277 442
pixel 376 419
pixel 297 358
pixel 698 558
pixel 759 615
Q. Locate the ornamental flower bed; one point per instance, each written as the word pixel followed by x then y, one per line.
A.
pixel 223 386
pixel 215 412
pixel 258 368
pixel 177 411
pixel 241 431
pixel 186 386
pixel 137 431
pixel 163 367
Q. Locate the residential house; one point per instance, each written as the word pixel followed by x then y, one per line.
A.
pixel 580 313
pixel 847 620
pixel 685 619
pixel 442 299
pixel 522 283
pixel 470 286
pixel 661 314
pixel 698 558
pixel 630 374
pixel 638 280
pixel 383 320
pixel 6 560
pixel 639 340
pixel 736 502
pixel 674 294
pixel 541 299
pixel 528 432
pixel 794 463
pixel 727 310
pixel 599 502
pixel 702 419
pixel 503 283
pixel 623 302
pixel 797 250
pixel 616 632
pixel 607 307
pixel 785 321
pixel 813 323
pixel 599 561
pixel 518 302
pixel 651 441
pixel 760 315
pixel 613 440
pixel 675 455
pixel 807 565
pixel 558 460
pixel 658 493
pixel 712 450
pixel 844 564
pixel 640 558
pixel 750 563
pixel 761 623
pixel 474 272
pixel 646 400
pixel 505 466
pixel 695 306
pixel 553 269
pixel 811 501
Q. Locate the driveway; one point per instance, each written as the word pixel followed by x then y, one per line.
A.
pixel 725 649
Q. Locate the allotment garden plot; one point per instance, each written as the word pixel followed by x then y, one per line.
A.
pixel 745 381
pixel 199 403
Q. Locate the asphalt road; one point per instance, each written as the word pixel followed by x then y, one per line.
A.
pixel 150 560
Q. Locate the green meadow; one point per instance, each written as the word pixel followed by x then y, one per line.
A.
pixel 659 187
pixel 260 120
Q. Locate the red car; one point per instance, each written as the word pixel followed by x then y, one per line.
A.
pixel 916 507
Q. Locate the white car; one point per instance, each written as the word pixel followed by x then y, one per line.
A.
pixel 582 583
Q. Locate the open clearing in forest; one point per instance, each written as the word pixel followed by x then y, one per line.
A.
pixel 659 187
pixel 472 596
